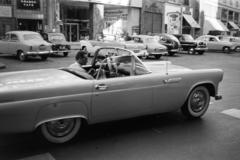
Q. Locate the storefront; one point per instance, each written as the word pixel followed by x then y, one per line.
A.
pixel 29 15
pixel 189 25
pixel 81 19
pixel 6 18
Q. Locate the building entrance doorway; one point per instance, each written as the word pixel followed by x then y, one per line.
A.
pixel 30 24
pixel 71 31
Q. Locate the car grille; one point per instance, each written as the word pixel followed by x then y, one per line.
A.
pixel 202 45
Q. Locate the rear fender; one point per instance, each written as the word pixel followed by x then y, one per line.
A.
pixel 61 110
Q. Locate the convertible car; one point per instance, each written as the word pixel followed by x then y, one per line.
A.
pixel 116 85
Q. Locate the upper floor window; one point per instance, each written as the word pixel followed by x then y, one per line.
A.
pixel 231 2
pixel 186 2
pixel 237 4
pixel 5 1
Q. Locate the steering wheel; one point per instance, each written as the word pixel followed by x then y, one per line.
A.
pixel 92 72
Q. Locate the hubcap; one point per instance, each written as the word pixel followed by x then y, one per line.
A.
pixel 198 101
pixel 22 56
pixel 60 128
pixel 238 49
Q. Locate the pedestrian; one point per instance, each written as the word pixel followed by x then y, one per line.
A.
pixel 80 60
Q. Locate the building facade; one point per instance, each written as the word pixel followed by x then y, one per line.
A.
pixel 219 16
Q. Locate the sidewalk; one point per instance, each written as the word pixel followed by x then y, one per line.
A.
pixel 2 65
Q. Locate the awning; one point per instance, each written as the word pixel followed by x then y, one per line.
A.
pixel 191 21
pixel 214 24
pixel 233 25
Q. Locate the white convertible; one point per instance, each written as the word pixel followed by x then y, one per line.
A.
pixel 117 85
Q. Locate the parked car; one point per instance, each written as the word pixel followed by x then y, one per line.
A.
pixel 234 40
pixel 91 46
pixel 154 48
pixel 171 42
pixel 213 43
pixel 59 43
pixel 116 85
pixel 190 45
pixel 25 44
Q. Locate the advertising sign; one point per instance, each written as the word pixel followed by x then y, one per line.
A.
pixel 28 4
pixel 173 22
pixel 5 11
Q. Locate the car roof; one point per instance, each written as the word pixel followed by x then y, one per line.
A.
pixel 23 32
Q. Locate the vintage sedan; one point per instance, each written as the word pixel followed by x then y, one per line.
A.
pixel 59 43
pixel 116 85
pixel 234 40
pixel 153 47
pixel 215 44
pixel 190 45
pixel 91 46
pixel 171 42
pixel 25 44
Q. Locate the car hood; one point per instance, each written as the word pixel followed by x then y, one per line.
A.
pixel 165 66
pixel 156 45
pixel 37 84
pixel 133 45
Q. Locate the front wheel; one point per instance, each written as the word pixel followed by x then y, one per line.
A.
pixel 226 49
pixel 191 51
pixel 197 103
pixel 21 56
pixel 237 49
pixel 60 131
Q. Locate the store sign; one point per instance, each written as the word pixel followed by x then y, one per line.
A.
pixel 5 11
pixel 28 4
pixel 173 22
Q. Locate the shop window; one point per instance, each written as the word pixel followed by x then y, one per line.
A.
pixel 5 1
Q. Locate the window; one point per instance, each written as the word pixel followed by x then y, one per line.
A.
pixel 14 37
pixel 5 1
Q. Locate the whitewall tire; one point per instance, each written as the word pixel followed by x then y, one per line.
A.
pixel 60 131
pixel 197 103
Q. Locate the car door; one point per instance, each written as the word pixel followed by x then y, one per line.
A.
pixel 213 44
pixel 13 44
pixel 4 44
pixel 121 97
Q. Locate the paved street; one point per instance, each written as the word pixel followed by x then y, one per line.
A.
pixel 167 136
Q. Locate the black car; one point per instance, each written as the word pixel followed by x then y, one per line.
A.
pixel 58 41
pixel 171 42
pixel 190 45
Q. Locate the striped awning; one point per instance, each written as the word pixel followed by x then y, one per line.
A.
pixel 191 21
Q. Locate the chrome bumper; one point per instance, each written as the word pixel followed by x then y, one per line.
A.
pixel 38 52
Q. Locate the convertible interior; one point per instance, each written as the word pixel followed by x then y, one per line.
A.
pixel 110 63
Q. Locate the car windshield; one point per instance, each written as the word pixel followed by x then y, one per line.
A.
pixel 188 38
pixel 56 37
pixel 151 40
pixel 172 37
pixel 27 37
